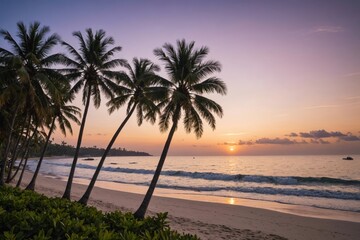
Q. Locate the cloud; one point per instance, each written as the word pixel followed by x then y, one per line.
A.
pixel 326 29
pixel 228 143
pixel 314 137
pixel 235 134
pixel 292 135
pixel 96 134
pixel 349 138
pixel 317 136
pixel 320 134
pixel 245 142
pixel 319 141
pixel 201 146
pixel 322 106
pixel 281 141
pixel 353 74
pixel 353 98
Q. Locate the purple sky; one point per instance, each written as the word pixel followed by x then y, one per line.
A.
pixel 290 67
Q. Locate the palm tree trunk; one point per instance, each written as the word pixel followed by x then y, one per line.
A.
pixel 17 170
pixel 7 149
pixel 26 156
pixel 24 143
pixel 84 199
pixel 140 213
pixel 31 185
pixel 15 153
pixel 67 192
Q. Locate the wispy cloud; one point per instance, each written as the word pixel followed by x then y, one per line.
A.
pixel 353 74
pixel 228 143
pixel 201 146
pixel 281 141
pixel 319 141
pixel 262 141
pixel 322 106
pixel 235 134
pixel 353 98
pixel 326 29
pixel 96 134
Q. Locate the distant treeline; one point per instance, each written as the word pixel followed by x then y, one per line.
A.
pixel 55 149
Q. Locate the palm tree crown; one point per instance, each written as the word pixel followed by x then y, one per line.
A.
pixel 32 54
pixel 187 70
pixel 91 67
pixel 140 87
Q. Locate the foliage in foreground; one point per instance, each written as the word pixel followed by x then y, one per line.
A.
pixel 28 215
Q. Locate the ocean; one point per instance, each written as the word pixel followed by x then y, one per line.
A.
pixel 319 181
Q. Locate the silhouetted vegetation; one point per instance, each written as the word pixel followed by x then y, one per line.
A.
pixel 67 150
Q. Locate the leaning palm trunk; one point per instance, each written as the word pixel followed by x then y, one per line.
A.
pixel 16 171
pixel 26 156
pixel 25 143
pixel 140 213
pixel 7 149
pixel 15 152
pixel 67 191
pixel 31 185
pixel 84 199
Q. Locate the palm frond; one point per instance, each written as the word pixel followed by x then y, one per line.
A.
pixel 113 63
pixel 17 49
pixel 117 102
pixel 78 57
pixel 210 85
pixel 209 104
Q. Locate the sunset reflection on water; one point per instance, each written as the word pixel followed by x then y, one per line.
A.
pixel 231 201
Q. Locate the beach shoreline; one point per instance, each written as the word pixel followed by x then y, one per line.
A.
pixel 299 210
pixel 211 220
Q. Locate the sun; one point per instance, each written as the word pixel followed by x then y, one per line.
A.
pixel 231 148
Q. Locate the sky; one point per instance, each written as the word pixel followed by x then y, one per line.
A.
pixel 292 69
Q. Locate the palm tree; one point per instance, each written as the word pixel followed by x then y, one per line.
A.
pixel 91 69
pixel 142 89
pixel 61 113
pixel 188 74
pixel 34 78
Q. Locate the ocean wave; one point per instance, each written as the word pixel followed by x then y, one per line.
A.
pixel 273 191
pixel 278 180
pixel 261 190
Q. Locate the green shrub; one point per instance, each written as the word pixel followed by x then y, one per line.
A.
pixel 28 215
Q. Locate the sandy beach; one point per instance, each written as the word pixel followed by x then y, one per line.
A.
pixel 211 220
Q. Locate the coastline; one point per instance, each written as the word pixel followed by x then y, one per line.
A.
pixel 211 220
pixel 305 211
